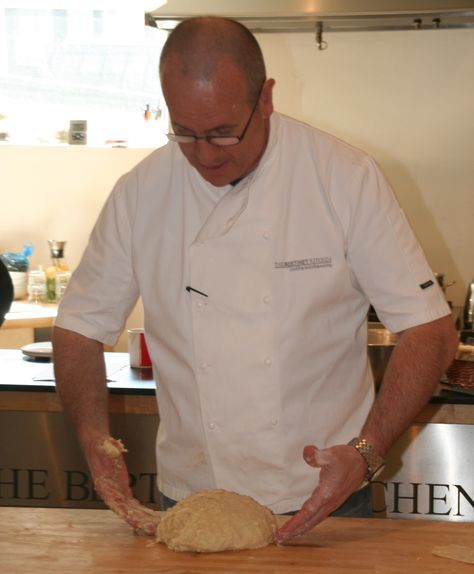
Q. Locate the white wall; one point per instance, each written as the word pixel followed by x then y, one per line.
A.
pixel 405 97
pixel 57 193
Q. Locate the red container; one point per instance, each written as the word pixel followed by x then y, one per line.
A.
pixel 138 350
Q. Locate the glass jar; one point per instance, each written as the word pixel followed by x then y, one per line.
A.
pixel 37 286
pixel 62 279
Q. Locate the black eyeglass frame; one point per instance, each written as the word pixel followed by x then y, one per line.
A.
pixel 234 140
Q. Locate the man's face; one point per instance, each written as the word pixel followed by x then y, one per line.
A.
pixel 220 108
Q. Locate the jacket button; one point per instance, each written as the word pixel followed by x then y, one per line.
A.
pixel 267 299
pixel 266 235
pixel 212 426
pixel 268 361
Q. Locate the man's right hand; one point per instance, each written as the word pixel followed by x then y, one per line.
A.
pixel 79 368
pixel 111 482
pixel 80 374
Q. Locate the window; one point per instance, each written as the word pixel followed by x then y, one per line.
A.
pixel 92 60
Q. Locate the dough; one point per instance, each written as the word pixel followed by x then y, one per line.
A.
pixel 216 520
pixel 112 447
pixel 455 552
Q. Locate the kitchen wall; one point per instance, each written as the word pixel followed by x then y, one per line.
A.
pixel 405 97
pixel 57 193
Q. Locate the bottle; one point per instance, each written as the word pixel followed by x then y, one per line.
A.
pixel 37 285
pixel 57 274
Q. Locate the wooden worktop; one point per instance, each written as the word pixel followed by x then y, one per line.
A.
pixel 96 541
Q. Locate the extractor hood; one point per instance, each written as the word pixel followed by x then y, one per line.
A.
pixel 322 15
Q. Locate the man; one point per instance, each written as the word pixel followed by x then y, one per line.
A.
pixel 256 244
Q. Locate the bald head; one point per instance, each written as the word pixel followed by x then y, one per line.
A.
pixel 199 48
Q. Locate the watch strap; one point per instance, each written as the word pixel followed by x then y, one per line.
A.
pixel 372 459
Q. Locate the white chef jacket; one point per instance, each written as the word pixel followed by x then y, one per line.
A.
pixel 273 356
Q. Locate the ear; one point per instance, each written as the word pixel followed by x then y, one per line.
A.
pixel 266 98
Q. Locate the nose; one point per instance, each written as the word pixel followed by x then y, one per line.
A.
pixel 206 153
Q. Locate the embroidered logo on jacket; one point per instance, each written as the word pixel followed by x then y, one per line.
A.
pixel 304 264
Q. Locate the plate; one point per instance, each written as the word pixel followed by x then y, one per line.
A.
pixel 42 350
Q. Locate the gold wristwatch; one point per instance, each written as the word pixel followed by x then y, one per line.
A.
pixel 373 460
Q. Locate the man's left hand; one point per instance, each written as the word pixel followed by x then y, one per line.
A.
pixel 342 473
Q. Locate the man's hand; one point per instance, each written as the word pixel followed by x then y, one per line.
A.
pixel 111 482
pixel 81 385
pixel 419 360
pixel 342 472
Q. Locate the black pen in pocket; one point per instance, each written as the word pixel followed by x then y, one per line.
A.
pixel 189 289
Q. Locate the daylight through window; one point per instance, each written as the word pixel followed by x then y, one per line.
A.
pixel 92 62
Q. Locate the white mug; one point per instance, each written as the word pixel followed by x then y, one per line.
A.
pixel 137 349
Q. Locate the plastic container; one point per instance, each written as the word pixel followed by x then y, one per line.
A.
pixel 18 265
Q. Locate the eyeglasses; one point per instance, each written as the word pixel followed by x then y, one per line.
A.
pixel 216 140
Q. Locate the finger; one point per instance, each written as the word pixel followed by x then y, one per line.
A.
pixel 310 514
pixel 316 457
pixel 139 517
pixel 300 523
pixel 142 519
pixel 309 454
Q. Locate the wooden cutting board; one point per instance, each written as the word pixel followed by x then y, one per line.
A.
pixel 69 541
